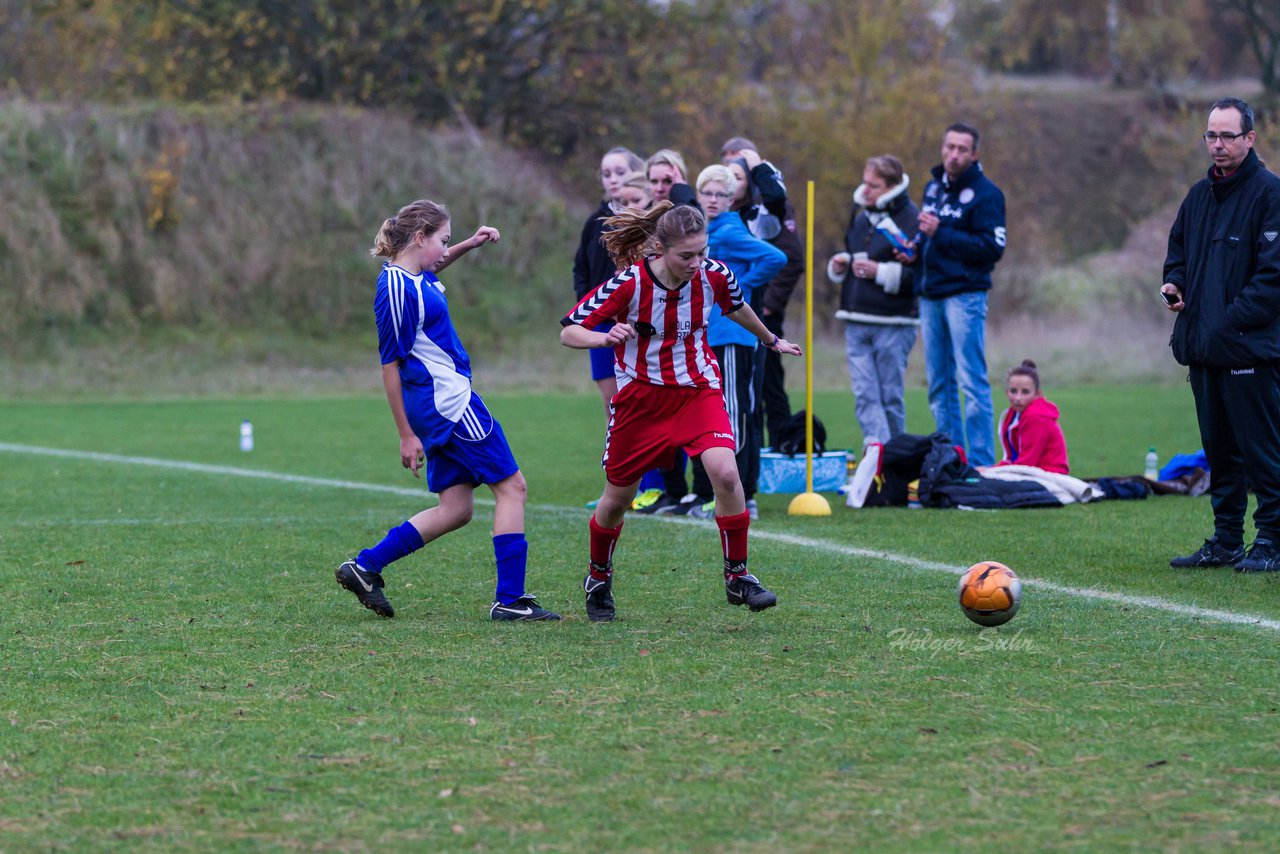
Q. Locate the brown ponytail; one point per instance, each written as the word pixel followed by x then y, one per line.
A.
pixel 635 234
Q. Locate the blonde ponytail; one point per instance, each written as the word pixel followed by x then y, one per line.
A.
pixel 422 216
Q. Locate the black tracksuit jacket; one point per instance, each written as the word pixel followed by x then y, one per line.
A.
pixel 1224 255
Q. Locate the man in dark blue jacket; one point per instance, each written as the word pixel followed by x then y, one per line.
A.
pixel 962 220
pixel 1222 278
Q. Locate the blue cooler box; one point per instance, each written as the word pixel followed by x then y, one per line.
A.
pixel 782 474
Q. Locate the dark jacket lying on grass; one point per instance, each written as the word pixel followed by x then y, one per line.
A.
pixel 945 479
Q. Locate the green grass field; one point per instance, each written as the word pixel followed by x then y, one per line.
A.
pixel 178 669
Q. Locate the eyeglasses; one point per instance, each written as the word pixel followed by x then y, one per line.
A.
pixel 1211 137
pixel 710 195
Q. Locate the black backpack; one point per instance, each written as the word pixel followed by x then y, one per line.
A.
pixel 909 457
pixel 901 459
pixel 790 439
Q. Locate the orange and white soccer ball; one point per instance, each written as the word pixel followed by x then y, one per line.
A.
pixel 990 593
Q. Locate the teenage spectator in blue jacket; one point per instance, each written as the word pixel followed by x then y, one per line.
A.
pixel 963 222
pixel 761 201
pixel 878 297
pixel 753 263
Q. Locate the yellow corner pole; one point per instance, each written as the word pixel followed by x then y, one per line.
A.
pixel 808 503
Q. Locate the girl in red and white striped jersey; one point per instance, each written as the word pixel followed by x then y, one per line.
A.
pixel 668 382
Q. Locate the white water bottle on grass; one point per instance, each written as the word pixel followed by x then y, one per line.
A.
pixel 851 465
pixel 1152 471
pixel 246 435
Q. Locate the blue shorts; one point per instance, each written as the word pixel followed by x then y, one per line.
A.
pixel 476 452
pixel 601 357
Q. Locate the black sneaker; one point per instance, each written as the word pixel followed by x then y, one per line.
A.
pixel 746 590
pixel 705 510
pixel 599 598
pixel 524 608
pixel 1263 556
pixel 684 505
pixel 662 506
pixel 367 586
pixel 1211 554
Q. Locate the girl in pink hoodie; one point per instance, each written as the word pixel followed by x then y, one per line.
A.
pixel 1029 431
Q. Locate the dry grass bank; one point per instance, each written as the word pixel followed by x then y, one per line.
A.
pixel 121 221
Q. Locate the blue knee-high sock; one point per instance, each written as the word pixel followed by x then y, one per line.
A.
pixel 400 541
pixel 512 554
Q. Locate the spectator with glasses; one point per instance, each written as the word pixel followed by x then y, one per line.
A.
pixel 669 383
pixel 753 263
pixel 761 201
pixel 1222 279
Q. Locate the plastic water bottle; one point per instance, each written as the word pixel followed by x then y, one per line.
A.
pixel 1152 471
pixel 851 465
pixel 246 435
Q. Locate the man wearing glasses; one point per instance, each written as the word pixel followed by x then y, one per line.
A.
pixel 1222 279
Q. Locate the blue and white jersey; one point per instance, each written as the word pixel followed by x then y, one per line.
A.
pixel 415 330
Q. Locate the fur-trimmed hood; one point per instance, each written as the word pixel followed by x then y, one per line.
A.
pixel 882 203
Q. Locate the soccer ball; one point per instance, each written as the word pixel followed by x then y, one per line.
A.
pixel 990 593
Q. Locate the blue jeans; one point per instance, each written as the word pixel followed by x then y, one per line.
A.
pixel 877 357
pixel 955 359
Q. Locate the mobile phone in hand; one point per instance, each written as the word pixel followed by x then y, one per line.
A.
pixel 1170 298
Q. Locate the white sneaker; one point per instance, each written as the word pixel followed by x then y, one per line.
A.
pixel 864 475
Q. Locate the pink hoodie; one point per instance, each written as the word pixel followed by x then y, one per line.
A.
pixel 1034 437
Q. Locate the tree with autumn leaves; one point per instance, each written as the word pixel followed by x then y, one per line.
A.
pixel 566 75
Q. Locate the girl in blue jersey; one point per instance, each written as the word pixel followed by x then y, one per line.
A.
pixel 427 377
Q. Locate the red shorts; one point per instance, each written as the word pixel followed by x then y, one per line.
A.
pixel 649 423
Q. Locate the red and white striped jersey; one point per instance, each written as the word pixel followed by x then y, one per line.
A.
pixel 675 351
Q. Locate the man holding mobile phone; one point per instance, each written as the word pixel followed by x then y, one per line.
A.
pixel 962 219
pixel 1222 280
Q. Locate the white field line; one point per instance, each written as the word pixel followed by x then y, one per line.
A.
pixel 203 468
pixel 1152 602
pixel 171 522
